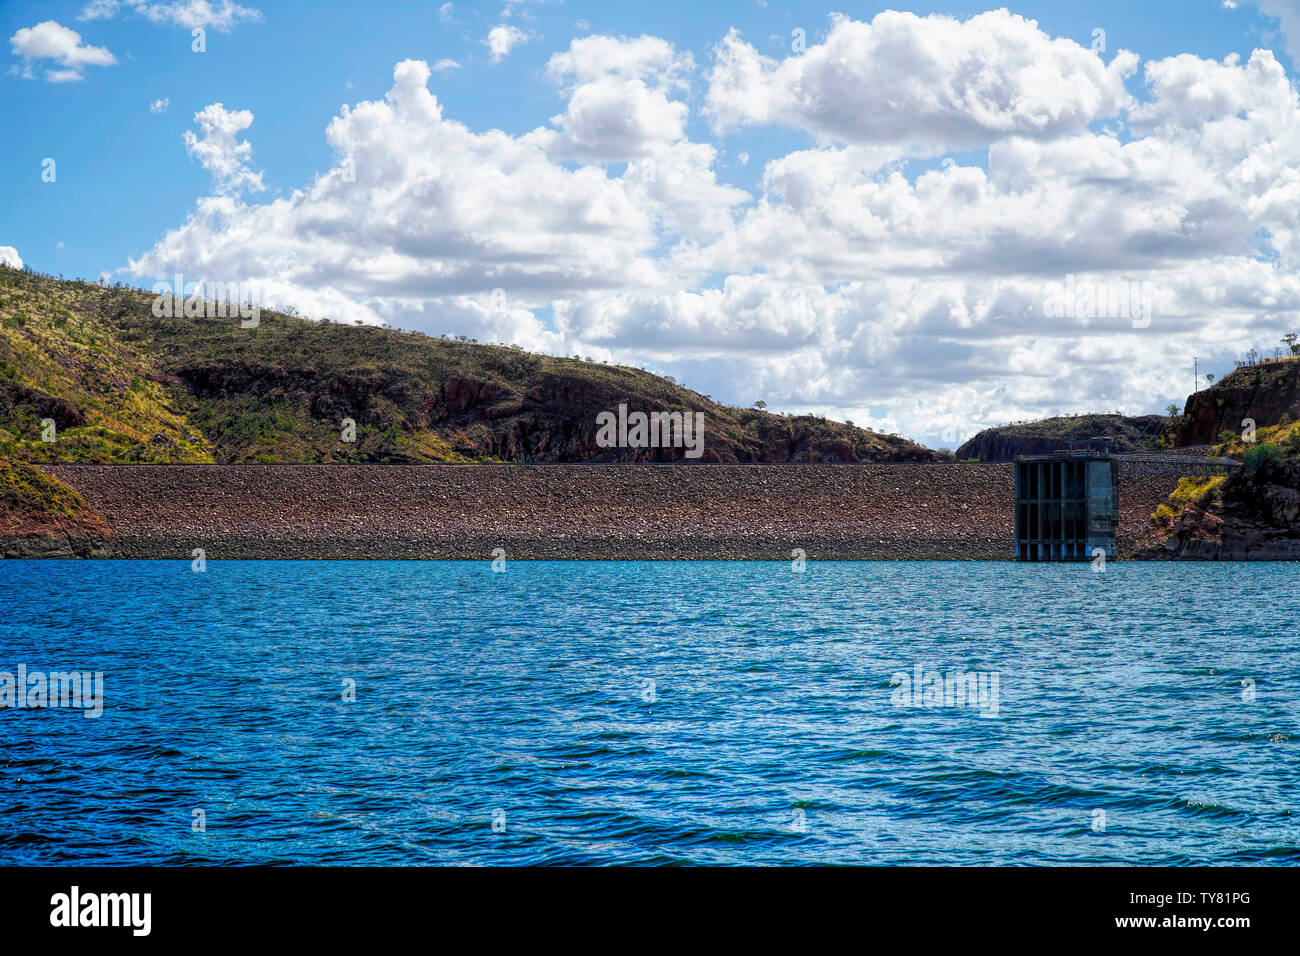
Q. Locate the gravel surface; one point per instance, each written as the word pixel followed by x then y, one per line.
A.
pixel 861 511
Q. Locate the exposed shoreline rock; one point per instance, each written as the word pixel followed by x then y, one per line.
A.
pixel 28 547
pixel 41 517
pixel 1256 520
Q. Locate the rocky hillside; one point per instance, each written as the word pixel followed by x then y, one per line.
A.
pixel 1253 514
pixel 121 385
pixel 1005 442
pixel 40 516
pixel 1268 393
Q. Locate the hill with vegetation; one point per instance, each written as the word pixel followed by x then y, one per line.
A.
pixel 1006 442
pixel 1254 513
pixel 1252 414
pixel 1266 393
pixel 90 374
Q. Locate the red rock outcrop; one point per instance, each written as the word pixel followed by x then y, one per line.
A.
pixel 1263 392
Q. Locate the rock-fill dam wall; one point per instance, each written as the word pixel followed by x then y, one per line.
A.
pixel 928 511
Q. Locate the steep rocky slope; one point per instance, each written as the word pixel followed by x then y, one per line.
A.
pixel 1253 514
pixel 1266 393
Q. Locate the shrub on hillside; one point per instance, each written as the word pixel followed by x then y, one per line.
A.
pixel 1261 455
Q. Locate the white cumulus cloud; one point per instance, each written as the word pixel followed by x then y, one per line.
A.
pixel 216 14
pixel 419 220
pixel 620 104
pixel 503 38
pixel 219 150
pixel 921 84
pixel 50 40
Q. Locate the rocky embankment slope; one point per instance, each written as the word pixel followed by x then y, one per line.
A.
pixel 926 511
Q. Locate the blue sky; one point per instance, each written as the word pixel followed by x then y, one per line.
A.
pixel 125 177
pixel 123 173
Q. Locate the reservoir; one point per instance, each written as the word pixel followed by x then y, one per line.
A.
pixel 655 713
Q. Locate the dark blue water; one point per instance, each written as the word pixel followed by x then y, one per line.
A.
pixel 769 734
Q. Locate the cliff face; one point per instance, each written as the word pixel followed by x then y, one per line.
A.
pixel 1006 442
pixel 1262 392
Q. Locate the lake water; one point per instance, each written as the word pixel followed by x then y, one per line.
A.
pixel 720 713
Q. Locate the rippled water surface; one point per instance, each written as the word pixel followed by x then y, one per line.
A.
pixel 733 713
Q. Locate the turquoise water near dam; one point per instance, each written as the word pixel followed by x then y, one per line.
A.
pixel 653 713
